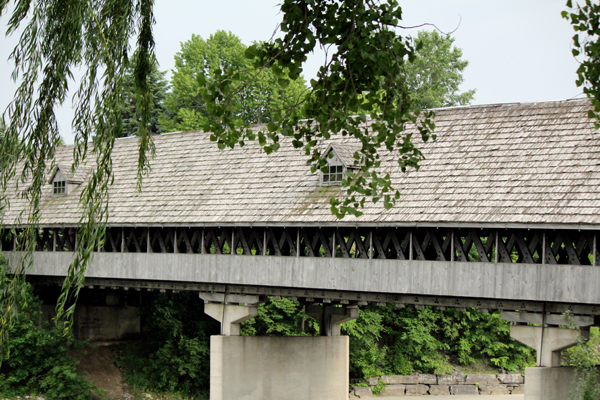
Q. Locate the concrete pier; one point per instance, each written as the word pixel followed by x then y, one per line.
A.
pixel 547 381
pixel 279 368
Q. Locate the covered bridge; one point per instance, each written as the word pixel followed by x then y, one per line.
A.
pixel 503 186
pixel 504 213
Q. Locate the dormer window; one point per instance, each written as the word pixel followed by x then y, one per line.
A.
pixel 339 158
pixel 60 187
pixel 63 182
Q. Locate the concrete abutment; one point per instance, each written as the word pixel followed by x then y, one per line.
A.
pixel 277 368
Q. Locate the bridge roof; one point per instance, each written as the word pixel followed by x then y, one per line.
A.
pixel 535 164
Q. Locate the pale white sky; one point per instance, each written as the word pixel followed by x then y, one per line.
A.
pixel 518 50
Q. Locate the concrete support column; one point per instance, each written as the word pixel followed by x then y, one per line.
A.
pixel 230 310
pixel 331 317
pixel 548 342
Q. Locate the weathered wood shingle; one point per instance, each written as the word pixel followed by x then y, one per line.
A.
pixel 536 163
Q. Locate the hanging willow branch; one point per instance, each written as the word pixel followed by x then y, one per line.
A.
pixel 363 79
pixel 57 38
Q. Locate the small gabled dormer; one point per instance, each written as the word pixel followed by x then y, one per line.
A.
pixel 61 182
pixel 339 158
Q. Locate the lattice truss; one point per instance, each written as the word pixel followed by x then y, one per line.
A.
pixel 468 245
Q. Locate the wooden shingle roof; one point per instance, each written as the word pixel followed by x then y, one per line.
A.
pixel 496 165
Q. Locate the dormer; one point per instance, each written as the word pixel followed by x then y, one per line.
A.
pixel 339 158
pixel 61 182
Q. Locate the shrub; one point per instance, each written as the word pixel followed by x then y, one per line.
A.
pixel 35 359
pixel 173 354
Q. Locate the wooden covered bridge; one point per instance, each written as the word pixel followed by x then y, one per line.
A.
pixel 504 214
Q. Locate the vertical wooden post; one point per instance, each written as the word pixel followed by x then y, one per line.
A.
pixel 370 244
pixel 496 259
pixel 148 244
pixel 333 244
pixel 122 239
pixel 595 250
pixel 452 255
pixel 233 251
pixel 202 248
pixel 410 243
pixel 544 247
pixel 298 242
pixel 175 249
pixel 265 242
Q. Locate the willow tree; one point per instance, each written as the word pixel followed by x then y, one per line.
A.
pixel 363 72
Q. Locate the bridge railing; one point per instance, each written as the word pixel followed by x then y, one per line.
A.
pixel 539 246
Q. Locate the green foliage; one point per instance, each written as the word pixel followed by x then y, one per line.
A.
pixel 64 382
pixel 200 60
pixel 377 389
pixel 413 341
pixel 585 357
pixel 367 359
pixel 158 86
pixel 173 355
pixel 35 359
pixel 586 43
pixel 361 79
pixel 387 340
pixel 474 335
pixel 435 74
pixel 587 352
pixel 282 317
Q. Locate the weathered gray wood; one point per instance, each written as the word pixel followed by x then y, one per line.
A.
pixel 410 255
pixel 483 257
pixel 452 252
pixel 551 319
pixel 544 247
pixel 527 282
pixel 595 251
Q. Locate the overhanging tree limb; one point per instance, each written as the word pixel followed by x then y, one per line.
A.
pixel 363 81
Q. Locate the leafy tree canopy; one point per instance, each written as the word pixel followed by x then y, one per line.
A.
pixel 260 94
pixel 435 75
pixel 586 45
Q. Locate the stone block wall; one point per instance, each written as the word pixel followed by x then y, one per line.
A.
pixel 440 385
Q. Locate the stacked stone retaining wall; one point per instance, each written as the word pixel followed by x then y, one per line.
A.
pixel 440 385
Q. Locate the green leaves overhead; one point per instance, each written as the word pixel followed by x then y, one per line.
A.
pixel 586 23
pixel 57 38
pixel 360 91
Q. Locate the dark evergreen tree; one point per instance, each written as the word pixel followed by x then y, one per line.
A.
pixel 158 90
